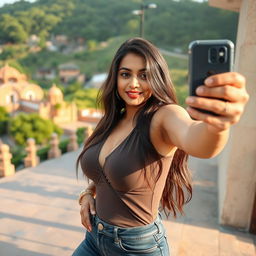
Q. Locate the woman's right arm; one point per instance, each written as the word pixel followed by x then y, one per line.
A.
pixel 88 206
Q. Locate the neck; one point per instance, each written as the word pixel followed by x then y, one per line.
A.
pixel 130 113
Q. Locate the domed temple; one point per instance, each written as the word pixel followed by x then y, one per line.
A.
pixel 15 90
pixel 17 94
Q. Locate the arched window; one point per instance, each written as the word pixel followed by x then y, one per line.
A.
pixel 12 80
pixel 30 95
pixel 11 98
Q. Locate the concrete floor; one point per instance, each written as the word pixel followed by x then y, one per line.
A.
pixel 39 214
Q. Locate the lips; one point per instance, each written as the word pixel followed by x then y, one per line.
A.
pixel 133 94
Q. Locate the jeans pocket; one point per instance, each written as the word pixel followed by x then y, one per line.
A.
pixel 140 245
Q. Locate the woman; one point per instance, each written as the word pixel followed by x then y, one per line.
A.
pixel 137 155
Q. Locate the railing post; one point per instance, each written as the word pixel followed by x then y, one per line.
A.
pixel 6 167
pixel 72 145
pixel 31 159
pixel 54 151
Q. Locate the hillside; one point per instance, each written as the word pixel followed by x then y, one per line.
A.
pixel 171 24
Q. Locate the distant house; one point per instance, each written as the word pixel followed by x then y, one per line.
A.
pixel 90 115
pixel 97 80
pixel 46 73
pixel 51 47
pixel 70 72
pixel 33 40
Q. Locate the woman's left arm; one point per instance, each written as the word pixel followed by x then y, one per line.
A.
pixel 207 134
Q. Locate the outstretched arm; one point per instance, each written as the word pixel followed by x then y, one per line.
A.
pixel 207 135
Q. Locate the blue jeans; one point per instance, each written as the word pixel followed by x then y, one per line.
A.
pixel 109 240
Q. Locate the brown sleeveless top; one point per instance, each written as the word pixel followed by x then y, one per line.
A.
pixel 132 173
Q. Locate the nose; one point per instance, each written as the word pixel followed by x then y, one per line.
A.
pixel 134 82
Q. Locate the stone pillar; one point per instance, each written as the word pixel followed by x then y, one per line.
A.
pixel 237 175
pixel 72 145
pixel 54 151
pixel 31 159
pixel 6 167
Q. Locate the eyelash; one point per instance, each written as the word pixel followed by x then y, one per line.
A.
pixel 124 74
pixel 142 76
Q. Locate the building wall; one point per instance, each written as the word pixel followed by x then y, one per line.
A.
pixel 237 175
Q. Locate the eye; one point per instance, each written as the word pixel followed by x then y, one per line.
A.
pixel 125 74
pixel 143 76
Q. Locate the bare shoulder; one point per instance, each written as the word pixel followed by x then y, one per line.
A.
pixel 166 115
pixel 171 111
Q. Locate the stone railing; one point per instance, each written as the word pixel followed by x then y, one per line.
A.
pixel 31 159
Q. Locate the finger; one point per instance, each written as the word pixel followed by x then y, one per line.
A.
pixel 231 78
pixel 224 108
pixel 92 207
pixel 85 218
pixel 226 92
pixel 219 123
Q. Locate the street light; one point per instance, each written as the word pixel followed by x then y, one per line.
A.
pixel 141 13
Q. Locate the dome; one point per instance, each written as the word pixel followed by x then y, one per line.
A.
pixel 55 95
pixel 55 91
pixel 10 74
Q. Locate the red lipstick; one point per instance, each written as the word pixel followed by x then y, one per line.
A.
pixel 133 94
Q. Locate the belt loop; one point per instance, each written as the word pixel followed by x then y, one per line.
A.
pixel 116 234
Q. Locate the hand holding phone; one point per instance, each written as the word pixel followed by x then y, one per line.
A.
pixel 206 58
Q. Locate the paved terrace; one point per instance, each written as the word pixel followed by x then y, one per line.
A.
pixel 39 214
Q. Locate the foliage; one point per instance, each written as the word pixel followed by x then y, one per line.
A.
pixel 57 106
pixel 4 118
pixel 42 153
pixel 63 146
pixel 80 132
pixel 179 78
pixel 18 155
pixel 171 24
pixel 72 88
pixel 84 98
pixel 24 126
pixel 16 24
pixel 11 30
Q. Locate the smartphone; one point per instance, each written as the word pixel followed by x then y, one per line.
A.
pixel 206 58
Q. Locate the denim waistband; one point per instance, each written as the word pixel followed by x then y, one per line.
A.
pixel 130 232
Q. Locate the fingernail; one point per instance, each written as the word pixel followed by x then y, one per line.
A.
pixel 190 100
pixel 208 81
pixel 200 90
pixel 93 212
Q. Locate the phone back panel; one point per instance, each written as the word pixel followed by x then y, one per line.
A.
pixel 202 63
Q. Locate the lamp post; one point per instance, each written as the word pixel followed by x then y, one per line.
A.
pixel 141 13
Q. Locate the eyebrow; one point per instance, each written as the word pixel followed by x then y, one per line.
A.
pixel 124 68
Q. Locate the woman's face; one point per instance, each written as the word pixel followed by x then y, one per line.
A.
pixel 132 84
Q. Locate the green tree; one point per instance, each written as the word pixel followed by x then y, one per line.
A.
pixel 4 118
pixel 25 126
pixel 11 30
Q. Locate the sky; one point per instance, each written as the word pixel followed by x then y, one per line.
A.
pixel 3 2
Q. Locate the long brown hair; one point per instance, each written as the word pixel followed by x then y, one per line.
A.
pixel 178 189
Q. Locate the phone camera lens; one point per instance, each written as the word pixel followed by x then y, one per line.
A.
pixel 221 59
pixel 222 50
pixel 222 54
pixel 213 55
